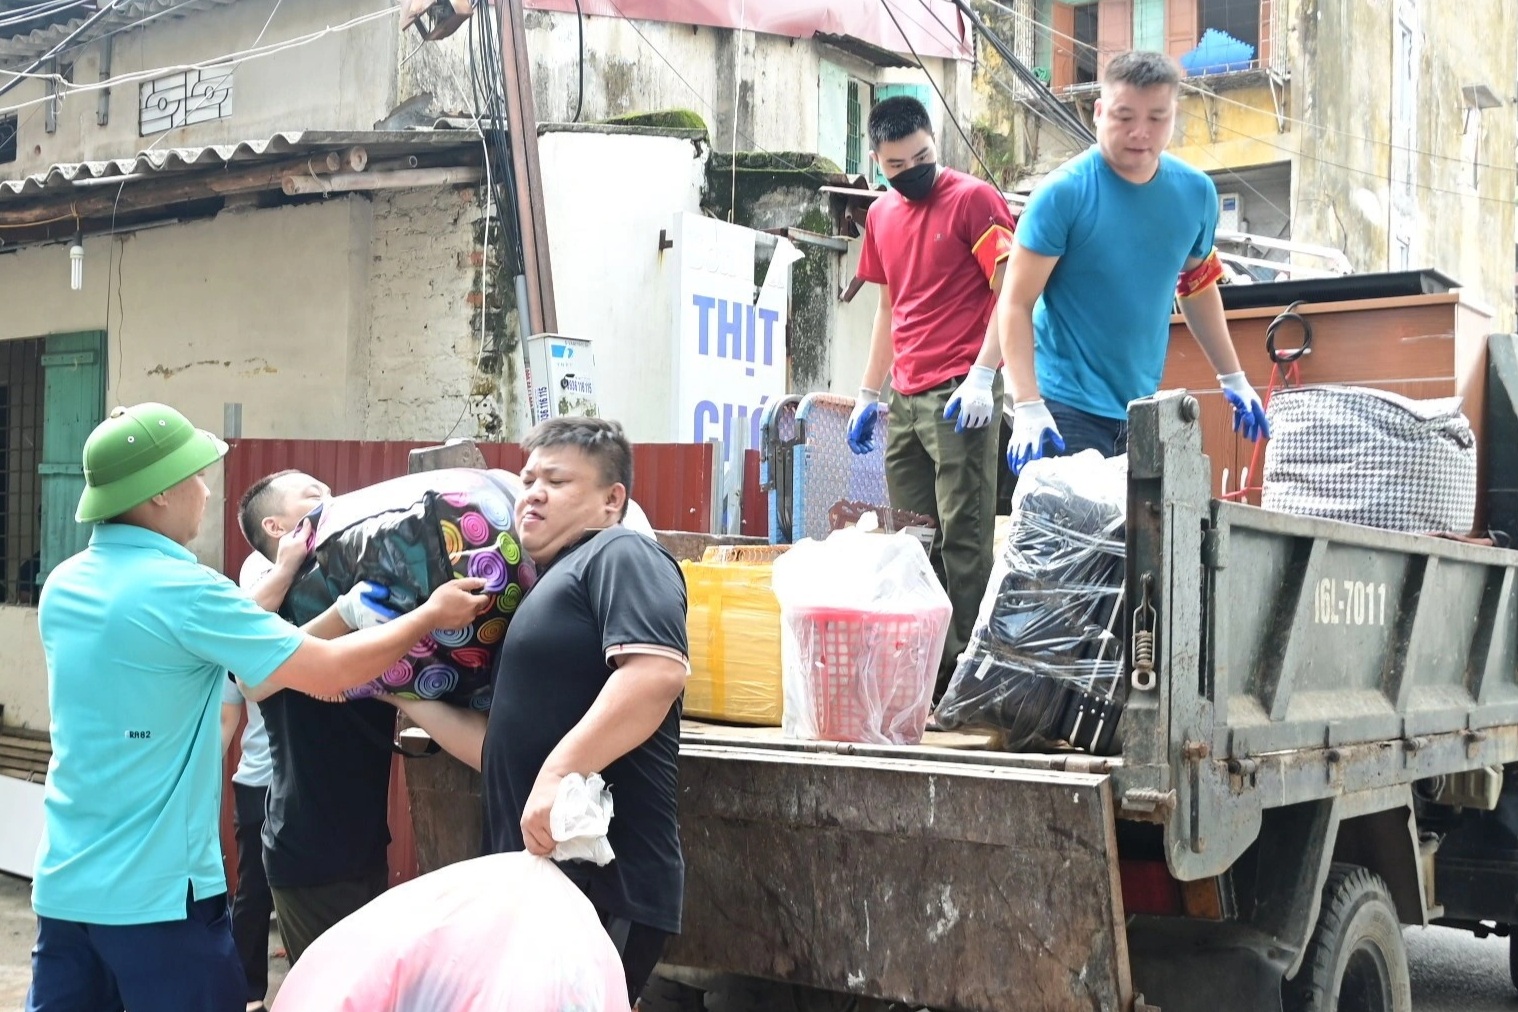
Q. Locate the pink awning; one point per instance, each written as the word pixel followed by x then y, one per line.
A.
pixel 934 27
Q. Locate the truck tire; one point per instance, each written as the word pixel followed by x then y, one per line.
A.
pixel 1512 956
pixel 1356 961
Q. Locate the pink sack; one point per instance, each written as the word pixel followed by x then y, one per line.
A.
pixel 504 933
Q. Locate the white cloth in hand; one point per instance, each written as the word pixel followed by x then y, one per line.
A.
pixel 580 818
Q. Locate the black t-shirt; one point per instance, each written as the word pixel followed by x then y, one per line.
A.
pixel 614 588
pixel 329 795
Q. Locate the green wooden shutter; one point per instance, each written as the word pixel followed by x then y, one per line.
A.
pixel 73 403
pixel 832 113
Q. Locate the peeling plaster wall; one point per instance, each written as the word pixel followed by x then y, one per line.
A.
pixel 427 378
pixel 249 307
pixel 774 104
pixel 1338 136
pixel 352 318
pixel 1456 222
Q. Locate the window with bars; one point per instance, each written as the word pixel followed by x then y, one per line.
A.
pixel 8 129
pixel 854 140
pixel 1239 19
pixel 21 424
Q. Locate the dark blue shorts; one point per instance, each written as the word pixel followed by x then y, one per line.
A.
pixel 171 966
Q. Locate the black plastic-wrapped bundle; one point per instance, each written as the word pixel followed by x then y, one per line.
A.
pixel 412 535
pixel 1045 665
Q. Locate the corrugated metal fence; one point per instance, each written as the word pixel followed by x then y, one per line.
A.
pixel 672 482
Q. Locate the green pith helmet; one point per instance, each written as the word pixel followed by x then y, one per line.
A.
pixel 137 453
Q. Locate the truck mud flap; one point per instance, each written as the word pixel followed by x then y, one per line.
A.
pixel 948 884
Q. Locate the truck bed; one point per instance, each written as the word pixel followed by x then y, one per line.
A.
pixel 942 874
pixel 1306 675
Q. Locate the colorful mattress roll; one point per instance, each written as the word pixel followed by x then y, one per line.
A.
pixel 412 535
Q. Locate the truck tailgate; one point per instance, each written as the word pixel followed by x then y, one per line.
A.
pixel 955 884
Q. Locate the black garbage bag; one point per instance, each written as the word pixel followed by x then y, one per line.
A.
pixel 412 535
pixel 1045 665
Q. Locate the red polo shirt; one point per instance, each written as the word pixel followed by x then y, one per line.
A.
pixel 938 257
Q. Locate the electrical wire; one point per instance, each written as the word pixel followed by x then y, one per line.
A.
pixel 204 99
pixel 991 36
pixel 709 106
pixel 1038 90
pixel 135 24
pixel 42 60
pixel 1195 89
pixel 580 94
pixel 1367 173
pixel 267 23
pixel 487 80
pixel 732 205
pixel 937 91
pixel 37 12
pixel 479 358
pixel 226 60
pixel 39 224
pixel 20 16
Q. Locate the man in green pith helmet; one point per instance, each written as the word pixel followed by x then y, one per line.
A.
pixel 129 890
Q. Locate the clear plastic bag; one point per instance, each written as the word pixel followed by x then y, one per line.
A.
pixel 504 933
pixel 580 819
pixel 1045 664
pixel 863 622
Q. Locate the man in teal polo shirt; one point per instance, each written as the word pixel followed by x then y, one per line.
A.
pixel 129 891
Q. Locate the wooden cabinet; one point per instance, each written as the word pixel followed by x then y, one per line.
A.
pixel 1418 346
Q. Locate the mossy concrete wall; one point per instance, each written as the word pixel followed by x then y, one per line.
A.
pixel 769 191
pixel 1333 119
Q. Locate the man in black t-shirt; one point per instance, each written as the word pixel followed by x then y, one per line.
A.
pixel 589 681
pixel 326 829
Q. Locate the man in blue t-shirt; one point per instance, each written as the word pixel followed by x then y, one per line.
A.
pixel 1085 314
pixel 129 891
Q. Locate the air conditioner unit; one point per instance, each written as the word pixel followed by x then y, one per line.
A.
pixel 1230 210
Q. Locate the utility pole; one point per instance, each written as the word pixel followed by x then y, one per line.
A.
pixel 522 131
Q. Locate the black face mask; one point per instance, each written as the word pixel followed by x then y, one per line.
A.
pixel 917 182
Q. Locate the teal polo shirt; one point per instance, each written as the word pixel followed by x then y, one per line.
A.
pixel 139 638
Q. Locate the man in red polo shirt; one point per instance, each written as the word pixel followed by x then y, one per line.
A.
pixel 937 246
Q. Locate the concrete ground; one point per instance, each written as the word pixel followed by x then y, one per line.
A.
pixel 1452 971
pixel 18 929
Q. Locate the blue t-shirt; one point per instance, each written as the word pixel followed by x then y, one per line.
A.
pixel 1102 325
pixel 139 638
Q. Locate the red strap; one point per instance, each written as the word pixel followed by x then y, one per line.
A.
pixel 994 246
pixel 1206 273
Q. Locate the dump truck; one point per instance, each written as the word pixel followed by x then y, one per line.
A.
pixel 1320 726
pixel 1317 748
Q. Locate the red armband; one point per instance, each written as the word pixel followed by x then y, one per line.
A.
pixel 1208 272
pixel 994 246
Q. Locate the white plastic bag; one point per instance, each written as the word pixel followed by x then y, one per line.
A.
pixel 580 818
pixel 504 933
pixel 863 623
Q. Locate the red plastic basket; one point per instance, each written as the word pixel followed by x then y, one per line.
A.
pixel 871 673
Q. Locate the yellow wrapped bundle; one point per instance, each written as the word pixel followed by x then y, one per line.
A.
pixel 734 625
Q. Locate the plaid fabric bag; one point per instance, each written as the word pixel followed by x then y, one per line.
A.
pixel 1371 457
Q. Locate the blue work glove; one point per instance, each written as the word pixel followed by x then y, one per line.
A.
pixel 861 430
pixel 1032 428
pixel 973 403
pixel 1248 411
pixel 364 606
